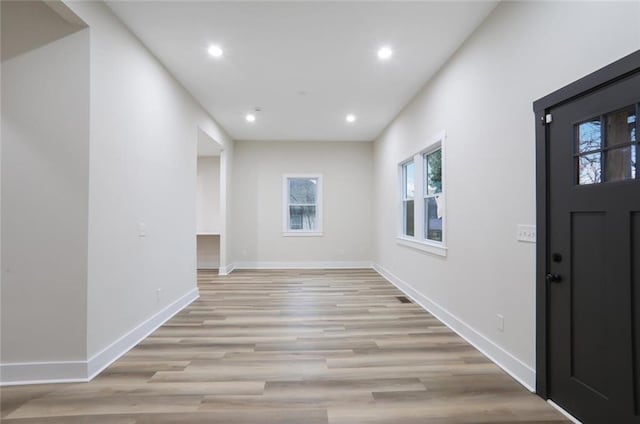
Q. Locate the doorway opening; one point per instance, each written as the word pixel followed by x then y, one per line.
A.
pixel 210 203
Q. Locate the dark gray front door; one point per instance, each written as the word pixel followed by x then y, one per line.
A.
pixel 594 255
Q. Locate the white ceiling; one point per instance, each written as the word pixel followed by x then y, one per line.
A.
pixel 306 64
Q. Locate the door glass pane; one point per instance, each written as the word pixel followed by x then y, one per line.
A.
pixel 621 126
pixel 407 215
pixel 620 164
pixel 302 191
pixel 409 183
pixel 302 217
pixel 634 161
pixel 434 172
pixel 590 168
pixel 589 136
pixel 432 219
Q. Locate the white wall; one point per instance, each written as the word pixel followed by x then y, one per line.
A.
pixel 142 173
pixel 98 197
pixel 483 99
pixel 208 212
pixel 45 196
pixel 257 206
pixel 208 195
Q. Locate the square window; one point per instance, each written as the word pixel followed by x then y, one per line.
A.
pixel 606 147
pixel 590 168
pixel 589 135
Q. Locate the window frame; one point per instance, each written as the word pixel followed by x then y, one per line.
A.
pixel 286 230
pixel 425 195
pixel 420 241
pixel 605 149
pixel 404 199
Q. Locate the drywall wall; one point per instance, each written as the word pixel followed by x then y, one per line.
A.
pixel 226 200
pixel 209 146
pixel 208 251
pixel 208 212
pixel 258 210
pixel 208 195
pixel 483 99
pixel 142 217
pixel 45 198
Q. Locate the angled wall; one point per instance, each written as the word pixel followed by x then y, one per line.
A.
pixel 45 197
pixel 98 199
pixel 142 185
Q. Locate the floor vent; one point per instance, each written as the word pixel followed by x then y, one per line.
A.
pixel 403 299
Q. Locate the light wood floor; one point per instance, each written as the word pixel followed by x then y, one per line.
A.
pixel 291 347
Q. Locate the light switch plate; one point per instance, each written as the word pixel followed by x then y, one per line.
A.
pixel 526 233
pixel 500 322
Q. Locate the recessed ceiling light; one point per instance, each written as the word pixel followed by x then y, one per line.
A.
pixel 215 51
pixel 351 117
pixel 250 117
pixel 385 53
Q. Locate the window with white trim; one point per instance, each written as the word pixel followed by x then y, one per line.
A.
pixel 408 198
pixel 302 201
pixel 422 218
pixel 433 195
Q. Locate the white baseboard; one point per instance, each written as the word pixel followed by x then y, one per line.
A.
pixel 303 265
pixel 226 270
pixel 115 350
pixel 14 374
pixel 520 371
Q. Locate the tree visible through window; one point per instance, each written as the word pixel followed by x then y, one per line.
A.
pixel 433 199
pixel 422 198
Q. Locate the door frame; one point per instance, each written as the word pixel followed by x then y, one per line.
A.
pixel 608 75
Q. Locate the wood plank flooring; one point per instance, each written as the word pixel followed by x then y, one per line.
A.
pixel 299 347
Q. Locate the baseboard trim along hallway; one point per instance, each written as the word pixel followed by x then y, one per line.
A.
pixel 82 371
pixel 520 371
pixel 303 265
pixel 340 346
pixel 13 374
pixel 107 356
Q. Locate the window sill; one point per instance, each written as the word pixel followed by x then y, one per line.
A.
pixel 435 249
pixel 301 234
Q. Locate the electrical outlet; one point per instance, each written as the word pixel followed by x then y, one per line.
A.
pixel 142 229
pixel 526 233
pixel 500 322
